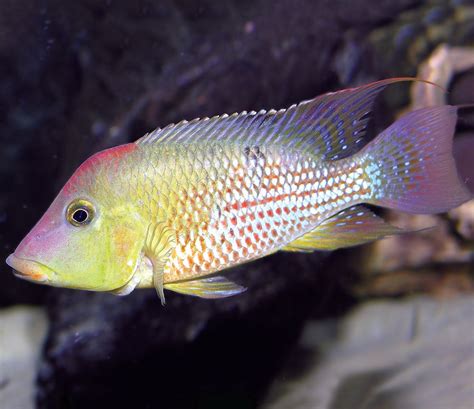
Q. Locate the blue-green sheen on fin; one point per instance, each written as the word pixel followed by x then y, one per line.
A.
pixel 331 126
pixel 351 227
pixel 209 287
pixel 411 164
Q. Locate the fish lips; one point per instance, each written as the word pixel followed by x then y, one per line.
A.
pixel 28 269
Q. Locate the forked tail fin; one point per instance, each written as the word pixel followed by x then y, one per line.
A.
pixel 411 166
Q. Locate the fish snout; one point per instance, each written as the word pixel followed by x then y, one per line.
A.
pixel 27 269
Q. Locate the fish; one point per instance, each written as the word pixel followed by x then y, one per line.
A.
pixel 187 201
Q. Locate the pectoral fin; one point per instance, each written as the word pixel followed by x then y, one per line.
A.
pixel 210 287
pixel 356 225
pixel 160 242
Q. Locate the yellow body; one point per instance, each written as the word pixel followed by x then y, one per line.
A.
pixel 225 206
pixel 192 199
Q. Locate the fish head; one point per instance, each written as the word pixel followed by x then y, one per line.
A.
pixel 88 238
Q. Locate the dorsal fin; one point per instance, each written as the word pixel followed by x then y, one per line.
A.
pixel 331 126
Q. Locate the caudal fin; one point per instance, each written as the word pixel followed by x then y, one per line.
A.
pixel 411 166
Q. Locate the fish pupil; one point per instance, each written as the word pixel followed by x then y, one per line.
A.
pixel 80 215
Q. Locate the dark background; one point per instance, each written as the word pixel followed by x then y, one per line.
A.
pixel 80 76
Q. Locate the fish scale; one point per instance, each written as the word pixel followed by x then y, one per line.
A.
pixel 225 217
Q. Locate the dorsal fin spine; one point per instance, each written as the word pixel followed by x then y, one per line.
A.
pixel 329 127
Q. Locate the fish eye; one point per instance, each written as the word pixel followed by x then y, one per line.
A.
pixel 80 213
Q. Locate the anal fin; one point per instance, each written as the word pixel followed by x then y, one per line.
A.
pixel 351 227
pixel 209 287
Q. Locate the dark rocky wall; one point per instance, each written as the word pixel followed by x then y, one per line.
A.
pixel 77 77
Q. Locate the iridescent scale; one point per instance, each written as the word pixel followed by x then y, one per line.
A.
pixel 232 204
pixel 236 187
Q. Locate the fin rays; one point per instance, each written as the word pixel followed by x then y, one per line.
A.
pixel 209 287
pixel 351 227
pixel 331 126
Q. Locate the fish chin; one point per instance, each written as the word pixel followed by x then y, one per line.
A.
pixel 129 287
pixel 142 277
pixel 30 270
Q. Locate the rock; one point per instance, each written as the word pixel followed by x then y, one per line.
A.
pixel 416 249
pixel 436 256
pixel 89 75
pixel 463 217
pixel 22 334
pixel 132 352
pixel 408 354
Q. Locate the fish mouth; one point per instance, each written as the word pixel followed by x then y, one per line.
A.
pixel 28 269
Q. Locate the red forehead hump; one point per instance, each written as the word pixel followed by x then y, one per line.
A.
pixel 106 156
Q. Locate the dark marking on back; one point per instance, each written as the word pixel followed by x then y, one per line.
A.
pixel 253 153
